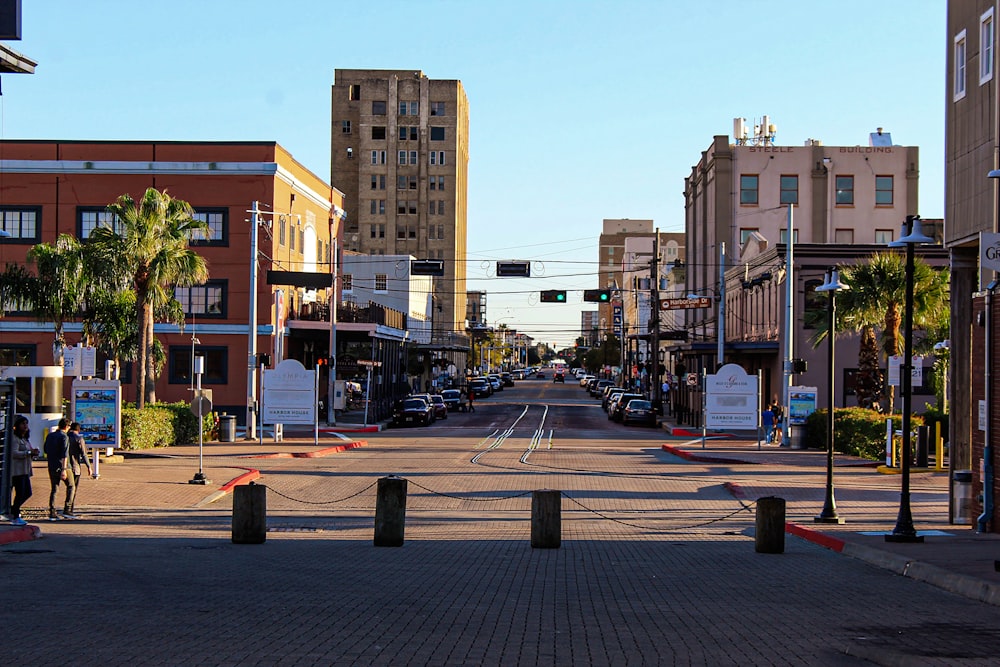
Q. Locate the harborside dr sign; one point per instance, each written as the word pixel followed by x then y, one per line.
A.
pixel 731 400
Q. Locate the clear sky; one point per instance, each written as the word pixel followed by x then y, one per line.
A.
pixel 580 110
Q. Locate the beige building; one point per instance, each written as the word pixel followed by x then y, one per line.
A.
pixel 589 325
pixel 400 153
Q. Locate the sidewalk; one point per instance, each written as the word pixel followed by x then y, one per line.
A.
pixel 953 557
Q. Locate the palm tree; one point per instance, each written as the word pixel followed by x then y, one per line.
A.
pixel 150 249
pixel 876 299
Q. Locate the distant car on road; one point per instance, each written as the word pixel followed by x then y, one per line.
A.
pixel 479 387
pixel 495 382
pixel 507 379
pixel 454 400
pixel 412 411
pixel 559 376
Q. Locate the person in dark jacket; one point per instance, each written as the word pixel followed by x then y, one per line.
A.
pixel 20 468
pixel 56 450
pixel 77 458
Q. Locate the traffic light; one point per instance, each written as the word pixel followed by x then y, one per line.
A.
pixel 553 296
pixel 598 295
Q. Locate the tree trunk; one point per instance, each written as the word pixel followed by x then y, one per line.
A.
pixel 150 363
pixel 145 310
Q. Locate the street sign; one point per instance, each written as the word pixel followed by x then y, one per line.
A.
pixel 678 304
pixel 514 269
pixel 204 398
pixel 692 379
pixel 369 364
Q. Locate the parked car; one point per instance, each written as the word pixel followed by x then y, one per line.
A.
pixel 599 386
pixel 411 411
pixel 617 406
pixel 610 395
pixel 585 378
pixel 440 409
pixel 479 387
pixel 639 411
pixel 495 382
pixel 454 400
pixel 507 379
pixel 540 375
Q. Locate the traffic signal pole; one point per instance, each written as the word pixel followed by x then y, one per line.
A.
pixel 654 321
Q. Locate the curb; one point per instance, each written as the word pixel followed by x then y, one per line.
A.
pixel 371 428
pixel 959 584
pixel 327 451
pixel 227 488
pixel 686 433
pixel 690 456
pixel 16 534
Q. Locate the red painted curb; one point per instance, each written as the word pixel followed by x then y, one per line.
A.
pixel 16 534
pixel 689 456
pixel 245 478
pixel 816 537
pixel 311 455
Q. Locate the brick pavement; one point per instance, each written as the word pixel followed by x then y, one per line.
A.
pixel 648 573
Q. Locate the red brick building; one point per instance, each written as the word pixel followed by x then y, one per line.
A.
pixel 49 188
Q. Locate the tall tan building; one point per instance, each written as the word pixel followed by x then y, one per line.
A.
pixel 400 153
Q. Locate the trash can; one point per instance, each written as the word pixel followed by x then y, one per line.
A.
pixel 227 428
pixel 962 499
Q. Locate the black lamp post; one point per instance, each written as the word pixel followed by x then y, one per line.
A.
pixel 832 286
pixel 904 530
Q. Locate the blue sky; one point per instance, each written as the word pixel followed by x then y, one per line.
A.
pixel 579 110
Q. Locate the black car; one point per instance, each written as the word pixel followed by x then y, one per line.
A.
pixel 507 379
pixel 479 388
pixel 617 406
pixel 639 411
pixel 559 377
pixel 411 411
pixel 454 400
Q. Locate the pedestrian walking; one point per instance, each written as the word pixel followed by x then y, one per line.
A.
pixel 767 419
pixel 77 459
pixel 56 450
pixel 472 399
pixel 779 421
pixel 20 469
pixel 665 395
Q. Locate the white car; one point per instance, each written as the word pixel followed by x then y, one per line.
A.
pixel 584 379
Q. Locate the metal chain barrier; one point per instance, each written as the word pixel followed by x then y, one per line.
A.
pixel 322 502
pixel 478 500
pixel 743 508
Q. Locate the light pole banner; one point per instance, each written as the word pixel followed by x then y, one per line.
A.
pixel 731 399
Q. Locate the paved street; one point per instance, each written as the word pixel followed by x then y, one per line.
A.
pixel 657 563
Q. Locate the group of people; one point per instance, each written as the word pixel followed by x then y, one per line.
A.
pixel 772 419
pixel 65 455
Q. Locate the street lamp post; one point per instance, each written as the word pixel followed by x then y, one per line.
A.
pixel 832 286
pixel 904 530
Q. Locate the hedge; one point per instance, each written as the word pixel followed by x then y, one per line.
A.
pixel 162 425
pixel 857 431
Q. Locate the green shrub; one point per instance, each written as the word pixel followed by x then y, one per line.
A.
pixel 935 416
pixel 162 425
pixel 857 431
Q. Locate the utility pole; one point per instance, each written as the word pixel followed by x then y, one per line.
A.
pixel 721 334
pixel 251 433
pixel 654 320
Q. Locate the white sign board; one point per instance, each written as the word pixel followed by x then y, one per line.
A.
pixel 989 250
pixel 731 400
pixel 80 361
pixel 289 394
pixel 916 374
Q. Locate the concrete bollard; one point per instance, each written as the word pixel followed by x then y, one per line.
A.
pixel 390 512
pixel 546 519
pixel 250 514
pixel 770 527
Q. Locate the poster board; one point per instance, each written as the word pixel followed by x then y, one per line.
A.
pixel 801 404
pixel 731 399
pixel 289 395
pixel 97 405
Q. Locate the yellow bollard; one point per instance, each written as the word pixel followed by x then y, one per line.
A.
pixel 938 448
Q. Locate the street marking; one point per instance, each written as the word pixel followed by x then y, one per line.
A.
pixel 500 438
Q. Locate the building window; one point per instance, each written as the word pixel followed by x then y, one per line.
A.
pixel 748 189
pixel 441 231
pixel 378 107
pixel 883 190
pixel 406 182
pixel 783 236
pixel 437 183
pixel 814 302
pixel 17 355
pixel 437 134
pixel 381 182
pixel 355 91
pixel 372 229
pixel 845 190
pixel 378 157
pixel 436 157
pixel 381 227
pixel 959 71
pixel 431 209
pixel 216 221
pixel 89 219
pixel 378 132
pixel 789 190
pixel 745 233
pixel 402 157
pixel 216 364
pixel 883 236
pixel 374 182
pixel 430 232
pixel 347 282
pixel 437 108
pixel 408 132
pixel 21 223
pixel 843 236
pixel 291 238
pixel 281 230
pixel 381 283
pixel 986 36
pixel 413 157
pixel 409 108
pixel 206 300
pixel 440 207
pixel 345 126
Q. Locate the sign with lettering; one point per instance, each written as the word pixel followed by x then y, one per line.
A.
pixel 289 394
pixel 989 250
pixel 678 304
pixel 731 400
